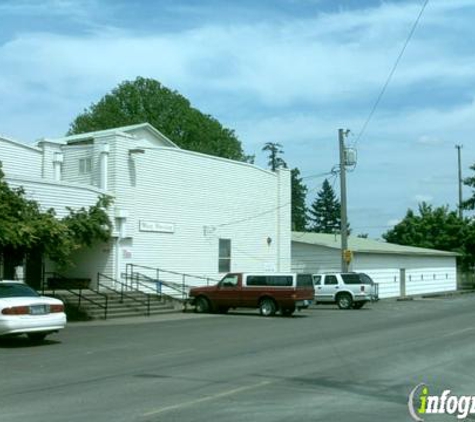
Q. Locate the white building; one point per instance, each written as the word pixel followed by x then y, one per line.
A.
pixel 399 270
pixel 173 209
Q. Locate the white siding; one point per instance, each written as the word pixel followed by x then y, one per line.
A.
pixel 89 262
pixel 424 274
pixel 48 151
pixel 50 194
pixel 206 198
pixel 20 160
pixel 72 155
pixel 314 258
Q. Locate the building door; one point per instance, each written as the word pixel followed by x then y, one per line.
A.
pixel 402 282
pixel 34 269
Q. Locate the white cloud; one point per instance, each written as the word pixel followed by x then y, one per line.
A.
pixel 293 81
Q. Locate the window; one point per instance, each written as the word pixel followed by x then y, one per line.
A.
pixel 229 281
pixel 16 290
pixel 272 280
pixel 85 165
pixel 366 279
pixel 279 280
pixel 351 278
pixel 256 280
pixel 331 279
pixel 317 280
pixel 304 280
pixel 224 263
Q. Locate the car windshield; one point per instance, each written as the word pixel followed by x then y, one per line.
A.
pixel 16 290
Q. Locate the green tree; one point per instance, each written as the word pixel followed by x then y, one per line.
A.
pixel 147 100
pixel 25 228
pixel 299 197
pixel 275 160
pixel 469 204
pixel 299 190
pixel 325 211
pixel 436 228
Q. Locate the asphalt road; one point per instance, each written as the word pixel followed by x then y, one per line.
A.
pixel 320 365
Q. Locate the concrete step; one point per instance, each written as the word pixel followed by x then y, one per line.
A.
pixel 118 306
pixel 125 313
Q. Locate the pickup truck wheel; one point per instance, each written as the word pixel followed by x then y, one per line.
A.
pixel 202 305
pixel 267 307
pixel 288 311
pixel 344 301
pixel 358 305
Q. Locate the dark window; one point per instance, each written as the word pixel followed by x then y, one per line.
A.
pixel 366 279
pixel 304 280
pixel 224 263
pixel 256 280
pixel 351 278
pixel 317 280
pixel 279 280
pixel 331 279
pixel 272 280
pixel 16 290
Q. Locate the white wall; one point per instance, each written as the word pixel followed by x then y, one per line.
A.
pixel 424 274
pixel 205 198
pixel 20 160
pixel 72 155
pixel 50 194
pixel 314 259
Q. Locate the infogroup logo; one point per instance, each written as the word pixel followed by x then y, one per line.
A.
pixel 421 403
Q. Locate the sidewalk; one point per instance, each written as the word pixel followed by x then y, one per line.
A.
pixel 175 316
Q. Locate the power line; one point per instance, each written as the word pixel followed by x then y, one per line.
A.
pixel 269 211
pixel 393 70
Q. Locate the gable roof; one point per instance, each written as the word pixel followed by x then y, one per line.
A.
pixel 361 245
pixel 18 143
pixel 123 130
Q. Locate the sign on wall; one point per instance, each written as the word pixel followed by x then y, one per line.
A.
pixel 156 226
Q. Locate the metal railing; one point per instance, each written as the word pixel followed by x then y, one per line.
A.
pixel 181 281
pixel 78 293
pixel 124 291
pixel 137 280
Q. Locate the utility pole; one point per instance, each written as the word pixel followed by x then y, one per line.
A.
pixel 344 219
pixel 459 147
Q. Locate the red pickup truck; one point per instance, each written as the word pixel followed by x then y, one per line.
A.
pixel 284 292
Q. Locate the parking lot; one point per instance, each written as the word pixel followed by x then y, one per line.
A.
pixel 321 364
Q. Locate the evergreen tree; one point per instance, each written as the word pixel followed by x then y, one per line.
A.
pixel 469 204
pixel 325 211
pixel 299 190
pixel 299 197
pixel 275 150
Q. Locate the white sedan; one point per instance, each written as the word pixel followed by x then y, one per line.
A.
pixel 24 311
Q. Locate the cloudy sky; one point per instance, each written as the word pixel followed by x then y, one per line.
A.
pixel 287 71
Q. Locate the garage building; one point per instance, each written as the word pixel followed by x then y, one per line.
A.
pixel 399 270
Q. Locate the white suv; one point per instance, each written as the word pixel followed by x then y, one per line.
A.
pixel 347 290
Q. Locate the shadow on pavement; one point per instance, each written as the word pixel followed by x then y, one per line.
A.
pixel 23 341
